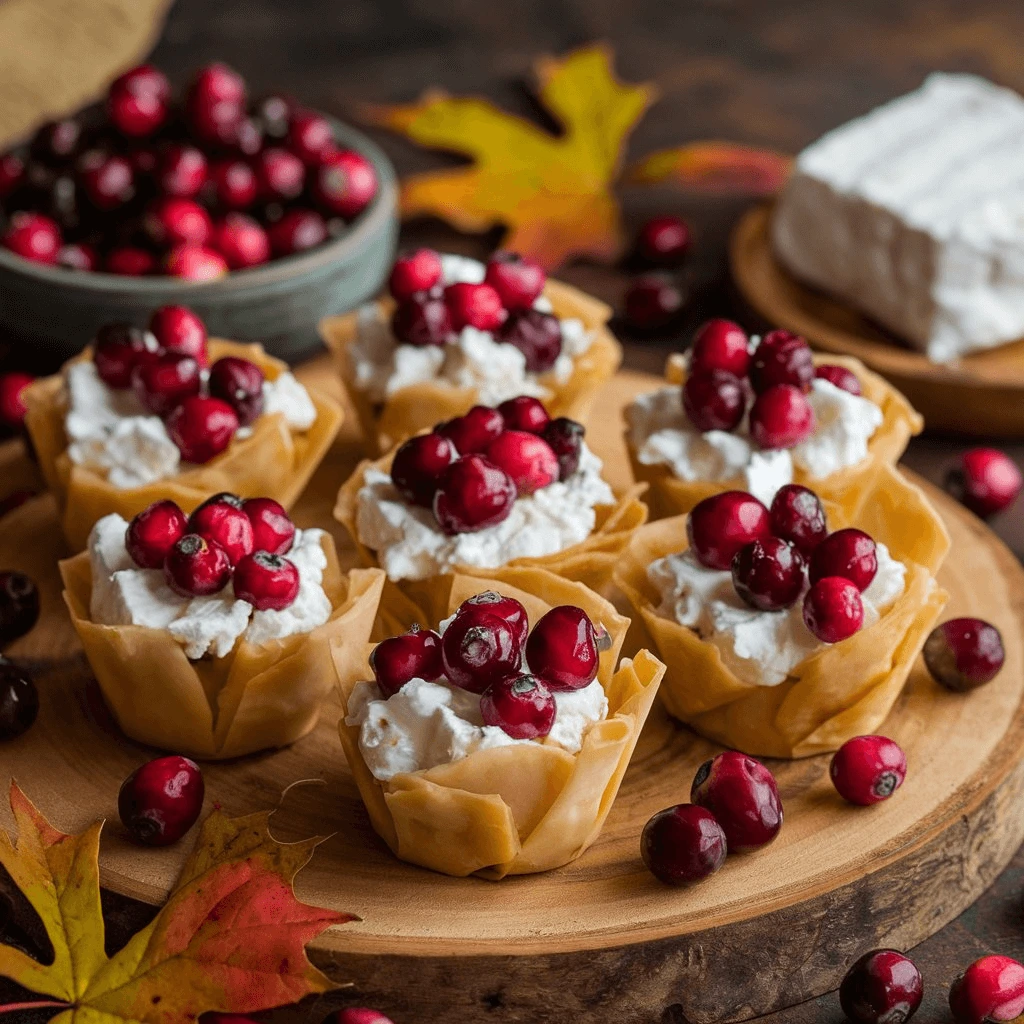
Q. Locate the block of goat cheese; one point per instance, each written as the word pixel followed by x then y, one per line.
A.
pixel 914 214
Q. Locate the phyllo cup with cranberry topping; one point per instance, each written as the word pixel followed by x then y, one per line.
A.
pixel 271 459
pixel 522 808
pixel 838 690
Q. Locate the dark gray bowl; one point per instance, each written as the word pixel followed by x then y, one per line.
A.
pixel 47 314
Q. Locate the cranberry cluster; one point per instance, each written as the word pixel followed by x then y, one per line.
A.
pixel 19 700
pixel 774 554
pixel 471 469
pixel 225 540
pixel 482 651
pixel 735 808
pixel 192 190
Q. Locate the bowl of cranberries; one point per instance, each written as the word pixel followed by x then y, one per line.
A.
pixel 251 211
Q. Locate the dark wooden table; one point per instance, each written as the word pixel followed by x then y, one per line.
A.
pixel 774 74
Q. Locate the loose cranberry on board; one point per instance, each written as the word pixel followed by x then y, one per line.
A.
pixel 743 796
pixel 652 301
pixel 987 481
pixel 883 987
pixel 161 800
pixel 963 654
pixel 664 240
pixel 991 989
pixel 19 605
pixel 19 700
pixel 868 769
pixel 683 844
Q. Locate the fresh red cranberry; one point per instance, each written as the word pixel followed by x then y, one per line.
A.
pixel 714 400
pixel 272 529
pixel 19 700
pixel 358 1015
pixel 521 706
pixel 882 987
pixel 153 532
pixel 137 101
pixel 107 179
pixel 963 654
pixel 797 515
pixel 417 467
pixel 525 413
pixel 422 320
pixel 345 183
pixel 15 500
pixel 840 376
pixel 722 524
pixel 537 335
pixel 164 381
pixel 474 305
pixel 768 574
pixel 664 240
pixel 414 272
pixel 78 256
pixel 987 481
pixel 527 458
pixel 782 358
pixel 195 567
pixel 195 263
pixel 215 104
pixel 202 427
pixel 297 231
pixel 721 345
pixel 179 329
pixel 473 494
pixel 181 171
pixel 991 989
pixel 32 237
pixel 507 608
pixel 400 659
pixel 781 417
pixel 161 800
pixel 653 301
pixel 310 136
pixel 12 397
pixel 281 175
pixel 226 524
pixel 475 431
pixel 517 280
pixel 563 649
pixel 241 241
pixel 743 796
pixel 248 136
pixel 172 221
pixel 238 382
pixel 833 609
pixel 266 581
pixel 275 113
pixel 683 844
pixel 12 173
pixel 479 649
pixel 868 769
pixel 234 184
pixel 56 142
pixel 19 605
pixel 566 439
pixel 129 261
pixel 118 349
pixel 849 553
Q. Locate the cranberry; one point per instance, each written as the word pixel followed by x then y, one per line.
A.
pixel 118 349
pixel 422 320
pixel 797 515
pixel 275 113
pixel 225 523
pixel 161 800
pixel 525 413
pixel 521 706
pixel 683 844
pixel 297 231
pixel 247 139
pixel 215 104
pixel 195 567
pixel 137 101
pixel 743 796
pixel 664 240
pixel 868 769
pixel 987 481
pixel 474 305
pixel 722 524
pixel 714 400
pixel 566 439
pixel 517 280
pixel 181 171
pixel 882 987
pixel 479 649
pixel 358 1015
pixel 241 241
pixel 12 397
pixel 179 329
pixel 768 574
pixel 475 431
pixel 281 175
pixel 19 700
pixel 32 237
pixel 833 609
pixel 963 654
pixel 164 381
pixel 238 382
pixel 418 465
pixel 78 256
pixel 473 494
pixel 172 221
pixel 234 183
pixel 527 458
pixel 563 649
pixel 991 989
pixel 781 417
pixel 400 659
pixel 345 183
pixel 842 378
pixel 653 301
pixel 266 581
pixel 12 173
pixel 153 532
pixel 272 529
pixel 849 553
pixel 507 608
pixel 417 271
pixel 19 605
pixel 537 335
pixel 782 358
pixel 56 142
pixel 721 345
pixel 130 261
pixel 108 180
pixel 202 427
pixel 310 136
pixel 195 263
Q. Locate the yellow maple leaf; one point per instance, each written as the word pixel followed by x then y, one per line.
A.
pixel 231 936
pixel 554 193
pixel 720 168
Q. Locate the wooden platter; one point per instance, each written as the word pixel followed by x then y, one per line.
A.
pixel 981 394
pixel 599 940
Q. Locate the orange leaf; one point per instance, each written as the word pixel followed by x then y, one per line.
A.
pixel 552 192
pixel 231 936
pixel 720 168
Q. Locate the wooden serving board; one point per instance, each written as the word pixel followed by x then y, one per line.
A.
pixel 599 940
pixel 981 394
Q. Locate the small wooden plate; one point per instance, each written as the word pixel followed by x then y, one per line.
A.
pixel 599 940
pixel 981 394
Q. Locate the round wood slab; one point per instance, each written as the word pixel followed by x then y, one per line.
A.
pixel 599 940
pixel 981 394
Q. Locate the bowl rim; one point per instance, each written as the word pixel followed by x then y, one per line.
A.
pixel 367 224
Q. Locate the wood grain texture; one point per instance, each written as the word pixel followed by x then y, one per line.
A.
pixel 598 940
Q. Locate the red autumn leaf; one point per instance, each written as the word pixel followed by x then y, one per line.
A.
pixel 717 168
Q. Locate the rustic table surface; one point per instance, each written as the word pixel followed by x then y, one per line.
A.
pixel 775 75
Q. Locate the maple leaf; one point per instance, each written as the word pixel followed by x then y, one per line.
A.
pixel 231 936
pixel 720 168
pixel 554 193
